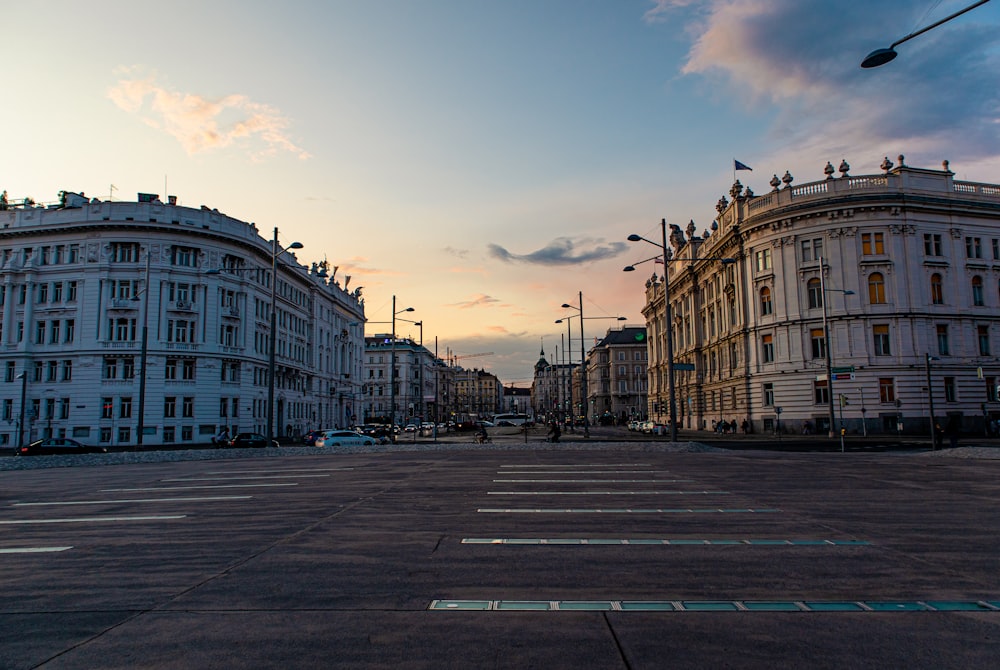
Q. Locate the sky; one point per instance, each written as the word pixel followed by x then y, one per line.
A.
pixel 484 162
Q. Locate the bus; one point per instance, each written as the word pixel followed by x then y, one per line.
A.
pixel 511 419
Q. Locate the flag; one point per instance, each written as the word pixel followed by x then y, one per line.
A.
pixel 740 166
pixel 658 259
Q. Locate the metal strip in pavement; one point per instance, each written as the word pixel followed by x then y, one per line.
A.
pixel 511 510
pixel 32 550
pixel 591 481
pixel 580 465
pixel 227 472
pixel 716 606
pixel 663 542
pixel 606 493
pixel 132 500
pixel 227 476
pixel 93 519
pixel 189 488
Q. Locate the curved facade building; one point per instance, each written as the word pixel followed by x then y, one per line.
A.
pixel 901 269
pixel 128 323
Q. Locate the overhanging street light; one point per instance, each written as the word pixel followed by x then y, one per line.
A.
pixel 665 254
pixel 883 56
pixel 566 374
pixel 392 370
pixel 272 345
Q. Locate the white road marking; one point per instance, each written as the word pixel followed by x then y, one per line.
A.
pixel 212 479
pixel 32 550
pixel 185 488
pixel 132 500
pixel 94 519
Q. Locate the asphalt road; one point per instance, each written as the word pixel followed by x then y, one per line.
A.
pixel 622 557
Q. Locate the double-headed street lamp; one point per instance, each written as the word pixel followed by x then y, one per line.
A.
pixel 567 378
pixel 392 370
pixel 584 400
pixel 826 345
pixel 667 314
pixel 272 345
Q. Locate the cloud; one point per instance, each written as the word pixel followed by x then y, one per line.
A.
pixel 201 124
pixel 561 251
pixel 460 253
pixel 939 99
pixel 480 300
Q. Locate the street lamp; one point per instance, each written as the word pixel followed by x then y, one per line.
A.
pixel 568 378
pixel 392 370
pixel 272 345
pixel 24 392
pixel 930 399
pixel 667 315
pixel 143 355
pixel 826 345
pixel 883 56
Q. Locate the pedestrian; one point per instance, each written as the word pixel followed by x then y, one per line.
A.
pixel 732 426
pixel 953 430
pixel 746 427
pixel 554 432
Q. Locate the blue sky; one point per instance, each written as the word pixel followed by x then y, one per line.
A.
pixel 484 161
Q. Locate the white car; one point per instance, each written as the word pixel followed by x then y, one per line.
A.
pixel 343 438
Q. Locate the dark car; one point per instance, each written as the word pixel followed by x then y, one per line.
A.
pixel 309 439
pixel 58 445
pixel 245 440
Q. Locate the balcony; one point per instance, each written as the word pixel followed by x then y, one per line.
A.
pixel 123 303
pixel 181 306
pixel 230 312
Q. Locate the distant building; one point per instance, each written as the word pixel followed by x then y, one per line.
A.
pixel 551 389
pixel 517 400
pixel 121 317
pixel 417 386
pixel 617 377
pixel 899 268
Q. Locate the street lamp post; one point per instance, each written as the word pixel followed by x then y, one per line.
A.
pixel 143 356
pixel 827 352
pixel 668 317
pixel 883 56
pixel 24 393
pixel 930 400
pixel 567 374
pixel 273 343
pixel 392 370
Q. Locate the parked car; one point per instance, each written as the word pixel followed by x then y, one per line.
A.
pixel 255 440
pixel 343 438
pixel 58 445
pixel 309 439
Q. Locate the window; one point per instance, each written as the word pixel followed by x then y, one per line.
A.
pixel 180 330
pixel 128 367
pixel 54 332
pixel 872 244
pixel 996 249
pixel 121 330
pixel 767 348
pixel 187 407
pixel 183 256
pixel 818 343
pixel 812 250
pixel 942 339
pixel 51 371
pixel 977 291
pixel 932 244
pixel 991 389
pixel 950 393
pixel 43 292
pixel 169 407
pixel 70 330
pixel 64 408
pixel 170 370
pixel 8 409
pixel 815 290
pixel 766 306
pixel 11 371
pixel 762 260
pixel 876 288
pixel 110 368
pixel 973 247
pixel 886 390
pixel 224 407
pixel 937 289
pixel 57 291
pixel 983 336
pixel 124 252
pixel 881 335
pixel 821 392
pixel 67 370
pixel 768 394
pixel 40 332
pixel 107 408
pixel 125 407
pixel 71 291
pixel 188 369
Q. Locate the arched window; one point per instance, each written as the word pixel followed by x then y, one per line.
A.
pixel 765 301
pixel 876 288
pixel 937 289
pixel 977 291
pixel 815 289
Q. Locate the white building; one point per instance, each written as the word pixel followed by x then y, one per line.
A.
pixel 903 269
pixel 418 376
pixel 90 290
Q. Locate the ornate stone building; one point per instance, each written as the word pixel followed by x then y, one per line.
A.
pixel 121 316
pixel 901 268
pixel 617 376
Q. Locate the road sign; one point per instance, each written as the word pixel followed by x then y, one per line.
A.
pixel 684 366
pixel 843 376
pixel 848 368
